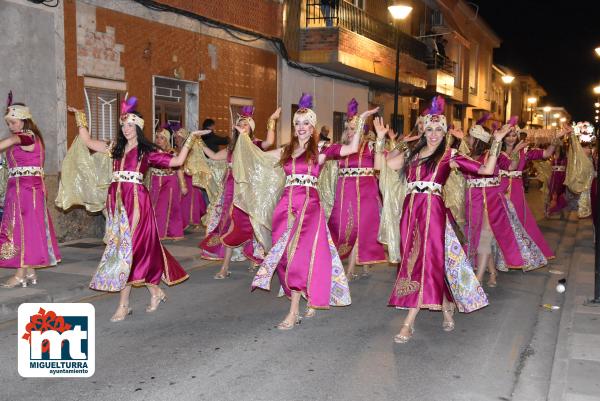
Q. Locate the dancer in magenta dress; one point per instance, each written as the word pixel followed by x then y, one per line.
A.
pixel 234 228
pixel 304 257
pixel 492 227
pixel 429 246
pixel 512 180
pixel 193 205
pixel 557 200
pixel 27 238
pixel 134 255
pixel 166 191
pixel 354 220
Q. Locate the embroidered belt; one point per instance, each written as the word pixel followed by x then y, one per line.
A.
pixel 511 174
pixel 128 176
pixel 559 168
pixel 162 172
pixel 425 187
pixel 483 182
pixel 357 172
pixel 301 180
pixel 29 171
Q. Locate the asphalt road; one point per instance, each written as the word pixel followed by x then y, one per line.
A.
pixel 215 340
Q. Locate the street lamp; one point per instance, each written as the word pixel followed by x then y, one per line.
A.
pixel 597 50
pixel 597 104
pixel 507 79
pixel 563 119
pixel 531 101
pixel 399 11
pixel 546 111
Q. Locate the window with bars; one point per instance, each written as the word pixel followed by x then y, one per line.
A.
pixel 169 101
pixel 102 109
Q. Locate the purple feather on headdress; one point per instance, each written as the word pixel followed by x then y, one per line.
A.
pixel 176 126
pixel 9 99
pixel 483 119
pixel 495 126
pixel 306 101
pixel 247 111
pixel 165 125
pixel 128 105
pixel 513 121
pixel 437 105
pixel 352 109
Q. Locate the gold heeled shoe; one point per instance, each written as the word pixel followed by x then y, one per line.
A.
pixel 15 281
pixel 492 280
pixel 310 312
pixel 448 325
pixel 118 317
pixel 402 339
pixel 162 297
pixel 222 276
pixel 31 278
pixel 286 325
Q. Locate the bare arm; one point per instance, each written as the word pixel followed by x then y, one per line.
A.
pixel 182 183
pixel 85 137
pixel 490 164
pixel 267 143
pixel 8 142
pixel 395 159
pixel 352 147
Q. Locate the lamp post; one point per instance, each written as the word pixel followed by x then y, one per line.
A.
pixel 399 11
pixel 547 110
pixel 507 80
pixel 531 101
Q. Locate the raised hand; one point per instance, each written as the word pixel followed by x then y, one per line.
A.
pixel 502 132
pixel 368 113
pixel 276 114
pixel 201 132
pixel 380 128
pixel 72 109
pixel 457 133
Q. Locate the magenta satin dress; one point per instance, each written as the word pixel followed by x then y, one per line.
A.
pixel 556 187
pixel 515 249
pixel 303 254
pixel 234 228
pixel 516 192
pixel 27 237
pixel 420 280
pixel 193 206
pixel 139 242
pixel 165 195
pixel 356 211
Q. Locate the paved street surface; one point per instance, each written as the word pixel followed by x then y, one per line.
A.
pixel 215 340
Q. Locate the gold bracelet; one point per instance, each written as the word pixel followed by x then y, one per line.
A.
pixel 401 146
pixel 189 142
pixel 81 119
pixel 495 148
pixel 271 124
pixel 360 123
pixel 379 145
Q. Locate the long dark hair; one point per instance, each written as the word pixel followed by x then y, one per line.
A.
pixel 144 145
pixel 504 141
pixel 29 125
pixel 312 149
pixel 430 161
pixel 479 147
pixel 234 138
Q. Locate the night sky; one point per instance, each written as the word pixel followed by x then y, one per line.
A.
pixel 554 42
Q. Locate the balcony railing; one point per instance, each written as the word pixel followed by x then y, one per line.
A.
pixel 339 13
pixel 439 62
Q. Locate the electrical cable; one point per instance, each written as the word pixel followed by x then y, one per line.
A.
pixel 277 43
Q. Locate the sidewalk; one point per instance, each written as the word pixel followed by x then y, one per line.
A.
pixel 576 367
pixel 68 282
